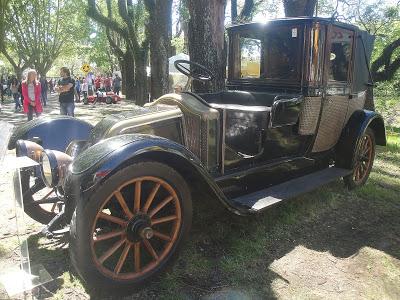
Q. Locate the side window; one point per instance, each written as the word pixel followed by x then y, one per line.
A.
pixel 340 54
pixel 250 57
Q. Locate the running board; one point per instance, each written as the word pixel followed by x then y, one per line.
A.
pixel 263 199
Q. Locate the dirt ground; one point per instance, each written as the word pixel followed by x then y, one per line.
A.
pixel 331 243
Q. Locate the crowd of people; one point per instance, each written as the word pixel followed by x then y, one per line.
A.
pixel 30 94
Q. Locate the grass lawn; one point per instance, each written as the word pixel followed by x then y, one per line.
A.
pixel 325 244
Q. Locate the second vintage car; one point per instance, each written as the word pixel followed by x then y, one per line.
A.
pixel 291 119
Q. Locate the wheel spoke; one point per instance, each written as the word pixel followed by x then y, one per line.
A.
pixel 45 197
pixel 137 256
pixel 161 235
pixel 123 204
pixel 150 198
pixel 112 250
pixel 122 258
pixel 108 235
pixel 112 219
pixel 362 169
pixel 163 220
pixel 136 204
pixel 36 187
pixel 366 149
pixel 53 208
pixel 359 172
pixel 161 205
pixel 150 249
pixel 356 172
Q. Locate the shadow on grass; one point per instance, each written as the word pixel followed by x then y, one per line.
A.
pixel 330 219
pixel 230 252
pixel 227 252
pixel 54 258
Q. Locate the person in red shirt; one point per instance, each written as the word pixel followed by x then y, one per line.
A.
pixel 107 84
pixel 97 83
pixel 31 91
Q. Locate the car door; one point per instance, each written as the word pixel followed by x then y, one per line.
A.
pixel 338 63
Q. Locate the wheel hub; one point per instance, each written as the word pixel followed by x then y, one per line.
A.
pixel 139 228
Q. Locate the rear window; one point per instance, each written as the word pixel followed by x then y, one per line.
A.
pixel 340 54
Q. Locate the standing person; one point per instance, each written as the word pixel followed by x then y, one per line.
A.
pixel 97 83
pixel 15 93
pixel 66 88
pixel 31 91
pixel 107 83
pixel 2 91
pixel 9 79
pixel 78 89
pixel 43 85
pixel 85 89
pixel 51 85
pixel 117 84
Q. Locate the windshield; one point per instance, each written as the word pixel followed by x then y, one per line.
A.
pixel 273 53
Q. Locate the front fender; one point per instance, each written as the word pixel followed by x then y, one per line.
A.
pixel 55 132
pixel 359 121
pixel 92 167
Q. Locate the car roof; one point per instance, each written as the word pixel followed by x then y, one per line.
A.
pixel 288 21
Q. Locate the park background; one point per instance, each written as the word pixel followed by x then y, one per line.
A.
pixel 329 243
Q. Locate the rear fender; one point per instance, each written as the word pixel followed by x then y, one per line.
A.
pixel 358 123
pixel 95 165
pixel 55 133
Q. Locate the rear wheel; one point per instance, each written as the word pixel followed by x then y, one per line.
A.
pixel 131 227
pixel 364 159
pixel 109 100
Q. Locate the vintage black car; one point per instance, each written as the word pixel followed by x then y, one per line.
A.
pixel 291 119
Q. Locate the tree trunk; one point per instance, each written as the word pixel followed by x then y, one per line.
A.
pixel 234 12
pixel 18 73
pixel 160 34
pixel 41 71
pixel 141 89
pixel 206 41
pixel 297 8
pixel 128 76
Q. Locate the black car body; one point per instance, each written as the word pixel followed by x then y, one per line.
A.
pixel 291 119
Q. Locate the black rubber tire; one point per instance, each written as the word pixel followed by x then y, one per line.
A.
pixel 349 180
pixel 35 211
pixel 85 101
pixel 84 216
pixel 109 100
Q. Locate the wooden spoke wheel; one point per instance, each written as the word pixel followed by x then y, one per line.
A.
pixel 40 202
pixel 132 228
pixel 363 160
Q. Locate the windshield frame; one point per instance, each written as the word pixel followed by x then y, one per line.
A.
pixel 234 55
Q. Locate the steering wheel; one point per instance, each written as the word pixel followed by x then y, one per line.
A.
pixel 195 70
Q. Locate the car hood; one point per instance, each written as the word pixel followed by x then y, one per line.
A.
pixel 114 124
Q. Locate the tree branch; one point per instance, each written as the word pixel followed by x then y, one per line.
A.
pixel 93 13
pixel 385 61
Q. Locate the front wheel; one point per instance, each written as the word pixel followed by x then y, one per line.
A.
pixel 364 159
pixel 40 202
pixel 131 227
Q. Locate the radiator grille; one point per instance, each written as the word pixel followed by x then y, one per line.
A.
pixel 193 126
